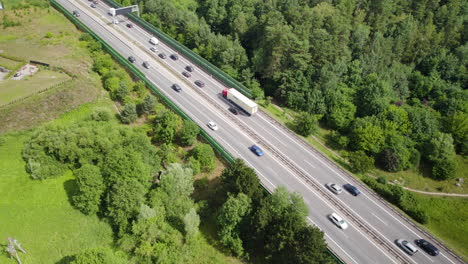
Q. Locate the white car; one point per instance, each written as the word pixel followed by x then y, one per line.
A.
pixel 335 188
pixel 406 246
pixel 212 125
pixel 337 220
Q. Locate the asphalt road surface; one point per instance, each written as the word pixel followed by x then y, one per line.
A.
pixel 288 161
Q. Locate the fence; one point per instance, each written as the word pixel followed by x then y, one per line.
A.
pixel 137 73
pixel 192 56
pixel 38 92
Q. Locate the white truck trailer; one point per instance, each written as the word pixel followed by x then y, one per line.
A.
pixel 244 103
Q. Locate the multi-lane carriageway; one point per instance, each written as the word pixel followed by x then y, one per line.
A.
pixel 288 160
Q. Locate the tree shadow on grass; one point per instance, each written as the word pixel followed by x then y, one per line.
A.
pixel 71 188
pixel 66 260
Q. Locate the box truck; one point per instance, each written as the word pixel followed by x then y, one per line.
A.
pixel 244 103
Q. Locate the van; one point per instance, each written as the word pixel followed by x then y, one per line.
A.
pixel 154 41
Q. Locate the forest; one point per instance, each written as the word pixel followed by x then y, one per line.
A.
pixel 389 78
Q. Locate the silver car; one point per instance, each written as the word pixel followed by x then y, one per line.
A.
pixel 212 125
pixel 335 188
pixel 406 246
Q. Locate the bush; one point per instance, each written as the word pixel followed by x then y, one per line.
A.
pixel 405 200
pixel 205 155
pixel 337 141
pixel 129 114
pixel 101 114
pixel 360 162
pixel 305 124
pixel 382 180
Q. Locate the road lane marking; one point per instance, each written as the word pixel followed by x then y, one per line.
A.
pixel 379 219
pixel 343 249
pixel 313 166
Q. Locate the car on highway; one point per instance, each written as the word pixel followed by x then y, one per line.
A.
pixel 352 189
pixel 338 221
pixel 428 247
pixel 76 13
pixel 233 110
pixel 212 125
pixel 189 68
pixel 199 83
pixel 162 55
pixel 93 5
pixel 186 74
pixel 406 246
pixel 129 25
pixel 146 65
pixel 257 150
pixel 153 49
pixel 176 87
pixel 335 188
pixel 131 59
pixel 174 56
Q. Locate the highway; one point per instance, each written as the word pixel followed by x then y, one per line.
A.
pixel 288 161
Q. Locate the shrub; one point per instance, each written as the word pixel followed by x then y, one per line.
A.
pixel 305 124
pixel 129 114
pixel 360 162
pixel 101 114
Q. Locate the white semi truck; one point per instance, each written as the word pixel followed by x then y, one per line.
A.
pixel 244 103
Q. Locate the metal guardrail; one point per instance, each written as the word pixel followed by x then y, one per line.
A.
pixel 201 62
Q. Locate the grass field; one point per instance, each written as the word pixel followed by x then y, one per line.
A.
pixel 448 220
pixel 14 89
pixel 38 213
pixel 9 64
pixel 61 48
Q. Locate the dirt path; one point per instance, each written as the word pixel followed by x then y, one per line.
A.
pixel 436 193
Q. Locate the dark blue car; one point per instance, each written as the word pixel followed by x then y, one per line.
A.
pixel 257 150
pixel 352 189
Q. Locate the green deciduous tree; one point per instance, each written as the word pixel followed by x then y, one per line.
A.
pixel 230 218
pixel 128 114
pixel 188 133
pixel 90 189
pixel 441 153
pixel 205 155
pixel 239 178
pixel 367 135
pixel 360 162
pixel 148 105
pixel 191 223
pixel 457 125
pixel 305 124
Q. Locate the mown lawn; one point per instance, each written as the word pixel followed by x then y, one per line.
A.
pixel 14 89
pixel 38 213
pixel 448 220
pixel 7 63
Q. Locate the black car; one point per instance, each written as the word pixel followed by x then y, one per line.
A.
pixel 189 68
pixel 162 55
pixel 352 189
pixel 174 56
pixel 186 74
pixel 233 110
pixel 146 65
pixel 176 87
pixel 131 59
pixel 129 25
pixel 428 247
pixel 199 83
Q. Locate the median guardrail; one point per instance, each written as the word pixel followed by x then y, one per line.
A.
pixel 194 57
pixel 137 73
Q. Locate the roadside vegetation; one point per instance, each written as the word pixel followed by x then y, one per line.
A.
pixel 379 88
pixel 144 183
